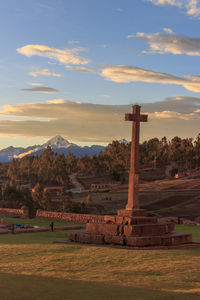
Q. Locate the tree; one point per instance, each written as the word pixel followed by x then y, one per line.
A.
pixel 37 195
pixel 11 196
pixel 71 163
pixel 27 201
pixel 89 199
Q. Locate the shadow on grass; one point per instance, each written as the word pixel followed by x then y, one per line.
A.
pixel 23 287
pixel 33 238
pixel 194 230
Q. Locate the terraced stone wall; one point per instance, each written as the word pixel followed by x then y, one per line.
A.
pixel 70 216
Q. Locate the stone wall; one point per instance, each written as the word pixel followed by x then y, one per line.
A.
pixel 84 218
pixel 12 211
pixel 70 216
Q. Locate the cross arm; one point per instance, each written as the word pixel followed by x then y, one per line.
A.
pixel 136 118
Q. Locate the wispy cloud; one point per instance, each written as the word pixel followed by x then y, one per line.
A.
pixel 163 2
pixel 134 74
pixel 190 6
pixel 106 96
pixel 41 89
pixel 73 42
pixel 102 123
pixel 81 69
pixel 67 56
pixel 44 72
pixel 56 101
pixel 166 43
pixel 168 30
pixel 35 83
pixel 119 9
pixel 168 114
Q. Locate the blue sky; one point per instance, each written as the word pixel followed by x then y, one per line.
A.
pixel 74 67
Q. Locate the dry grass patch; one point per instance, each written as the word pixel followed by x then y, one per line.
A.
pixel 161 270
pixel 50 271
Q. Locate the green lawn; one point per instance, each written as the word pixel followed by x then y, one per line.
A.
pixel 32 267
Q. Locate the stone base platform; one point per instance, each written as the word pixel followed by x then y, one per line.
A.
pixel 146 241
pixel 131 228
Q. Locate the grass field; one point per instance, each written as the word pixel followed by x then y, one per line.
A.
pixel 31 267
pixel 41 222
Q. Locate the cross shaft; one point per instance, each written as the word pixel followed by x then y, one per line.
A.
pixel 136 118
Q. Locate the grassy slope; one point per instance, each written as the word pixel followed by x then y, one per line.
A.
pixel 31 267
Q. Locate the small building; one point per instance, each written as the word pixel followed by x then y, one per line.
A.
pixel 99 186
pixel 53 191
pixel 104 186
pixel 76 191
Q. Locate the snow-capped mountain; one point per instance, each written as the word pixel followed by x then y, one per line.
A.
pixel 57 143
pixel 123 141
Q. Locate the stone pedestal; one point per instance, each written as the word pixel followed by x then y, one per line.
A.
pixel 131 228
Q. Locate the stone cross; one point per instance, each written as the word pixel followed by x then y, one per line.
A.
pixel 136 118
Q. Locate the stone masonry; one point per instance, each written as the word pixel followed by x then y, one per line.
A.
pixel 133 229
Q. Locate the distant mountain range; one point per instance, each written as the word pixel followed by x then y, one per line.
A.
pixel 57 143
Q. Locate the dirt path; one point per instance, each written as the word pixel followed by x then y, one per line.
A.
pixel 75 182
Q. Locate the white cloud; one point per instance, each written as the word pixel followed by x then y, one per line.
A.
pixel 163 2
pixel 82 122
pixel 81 69
pixel 51 63
pixel 35 84
pixel 167 114
pixel 67 56
pixel 193 77
pixel 106 96
pixel 168 30
pixel 164 43
pixel 190 6
pixel 44 72
pixel 73 42
pixel 56 101
pixel 134 74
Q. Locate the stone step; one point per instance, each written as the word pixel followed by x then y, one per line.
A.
pixel 173 239
pixel 82 237
pixel 129 230
pixel 103 228
pixel 148 229
pixel 132 213
pixel 138 220
pixel 129 220
pixel 163 240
